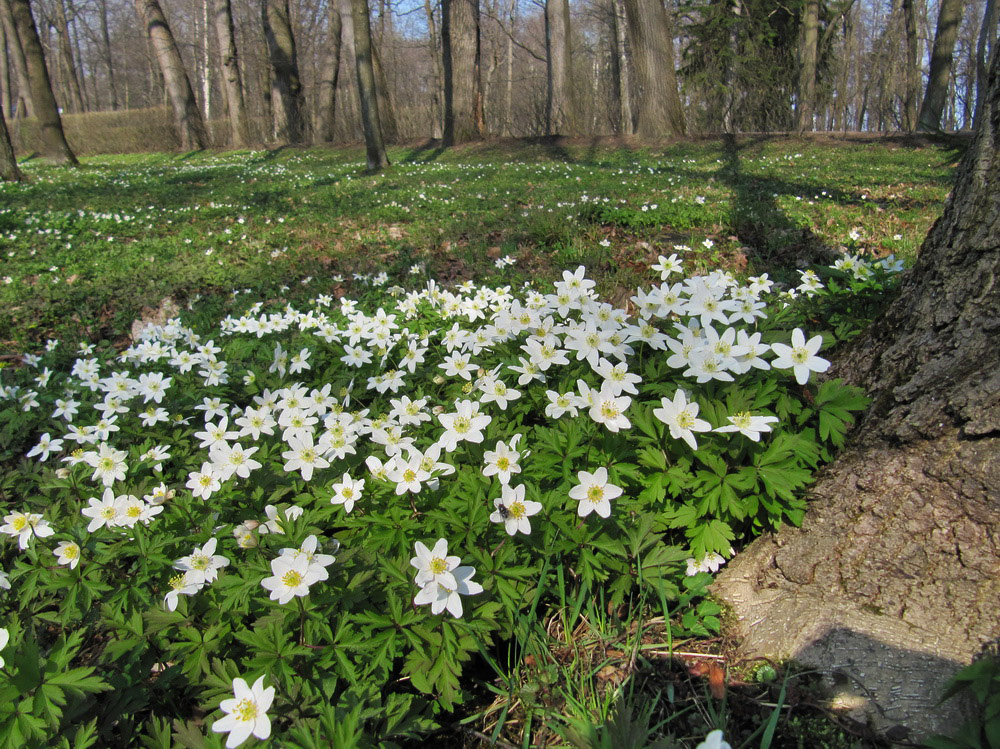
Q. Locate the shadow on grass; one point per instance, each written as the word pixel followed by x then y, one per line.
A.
pixel 757 219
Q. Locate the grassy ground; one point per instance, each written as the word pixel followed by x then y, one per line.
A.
pixel 85 250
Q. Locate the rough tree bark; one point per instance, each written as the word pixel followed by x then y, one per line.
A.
pixel 911 90
pixel 437 114
pixel 463 100
pixel 987 41
pixel 949 19
pixel 559 110
pixel 8 164
pixel 368 98
pixel 50 129
pixel 232 81
pixel 893 580
pixel 326 99
pixel 24 106
pixel 106 54
pixel 75 103
pixel 286 85
pixel 187 116
pixel 652 41
pixel 808 41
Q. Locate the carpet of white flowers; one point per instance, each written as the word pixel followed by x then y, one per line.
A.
pixel 343 503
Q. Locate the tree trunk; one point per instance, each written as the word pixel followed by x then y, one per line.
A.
pixel 232 81
pixel 620 67
pixel 25 107
pixel 8 164
pixel 367 96
pixel 912 74
pixel 286 86
pixel 106 54
pixel 187 116
pixel 949 19
pixel 652 37
pixel 892 582
pixel 463 101
pixel 986 45
pixel 809 40
pixel 437 114
pixel 559 110
pixel 326 99
pixel 6 100
pixel 386 111
pixel 50 129
pixel 66 53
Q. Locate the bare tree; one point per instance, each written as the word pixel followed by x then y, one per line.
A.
pixel 8 164
pixel 437 81
pixel 559 110
pixel 374 143
pixel 232 79
pixel 106 55
pixel 50 129
pixel 987 41
pixel 187 116
pixel 949 19
pixel 286 85
pixel 463 98
pixel 911 76
pixel 72 80
pixel 809 43
pixel 326 100
pixel 24 105
pixel 652 40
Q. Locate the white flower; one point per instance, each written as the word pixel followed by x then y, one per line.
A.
pixel 24 525
pixel 594 493
pixel 800 357
pixel 465 424
pixel 513 510
pixel 184 584
pixel 203 562
pixel 203 483
pixel 68 552
pixel 502 462
pixel 440 596
pixel 709 563
pixel 246 713
pixel 347 492
pixel 303 456
pixel 714 741
pixel 680 417
pixel 748 425
pixel 45 445
pixel 609 410
pixel 291 577
pixel 434 564
pixel 108 464
pixel 562 403
pixel 4 639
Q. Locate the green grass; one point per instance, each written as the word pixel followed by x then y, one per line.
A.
pixel 85 250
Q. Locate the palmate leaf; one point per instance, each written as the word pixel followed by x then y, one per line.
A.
pixel 711 536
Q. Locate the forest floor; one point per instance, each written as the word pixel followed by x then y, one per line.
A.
pixel 84 251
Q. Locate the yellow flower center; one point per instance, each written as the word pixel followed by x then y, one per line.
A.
pixel 292 578
pixel 595 494
pixel 246 710
pixel 438 566
pixel 503 463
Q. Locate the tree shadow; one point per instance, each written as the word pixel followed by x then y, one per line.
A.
pixel 426 152
pixel 759 222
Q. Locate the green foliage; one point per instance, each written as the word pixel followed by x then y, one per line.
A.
pixel 978 682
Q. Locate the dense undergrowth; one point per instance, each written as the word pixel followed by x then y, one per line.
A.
pixel 385 502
